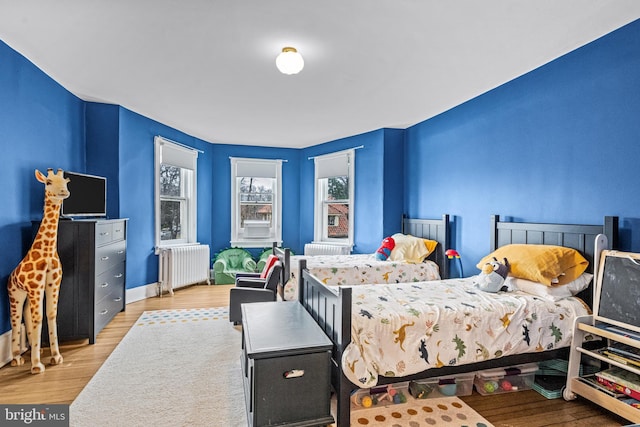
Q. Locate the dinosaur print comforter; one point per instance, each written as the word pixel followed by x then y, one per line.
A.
pixel 358 269
pixel 403 329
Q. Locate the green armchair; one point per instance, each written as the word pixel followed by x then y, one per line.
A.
pixel 229 262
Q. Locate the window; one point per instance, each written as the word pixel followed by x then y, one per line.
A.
pixel 175 193
pixel 334 198
pixel 256 219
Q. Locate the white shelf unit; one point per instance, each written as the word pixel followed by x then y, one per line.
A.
pixel 575 387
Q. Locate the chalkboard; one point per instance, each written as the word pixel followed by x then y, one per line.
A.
pixel 619 289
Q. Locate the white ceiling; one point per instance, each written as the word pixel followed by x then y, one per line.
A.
pixel 207 67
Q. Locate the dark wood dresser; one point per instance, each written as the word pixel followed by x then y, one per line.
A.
pixel 93 254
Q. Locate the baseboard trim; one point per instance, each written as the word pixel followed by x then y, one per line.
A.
pixel 142 292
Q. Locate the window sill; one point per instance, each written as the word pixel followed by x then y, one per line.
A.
pixel 254 243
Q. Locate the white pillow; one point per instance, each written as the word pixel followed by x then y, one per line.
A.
pixel 408 248
pixel 553 292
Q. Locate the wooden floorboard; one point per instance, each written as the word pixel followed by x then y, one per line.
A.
pixel 61 384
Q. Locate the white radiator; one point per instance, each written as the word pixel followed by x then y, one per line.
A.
pixel 183 265
pixel 325 249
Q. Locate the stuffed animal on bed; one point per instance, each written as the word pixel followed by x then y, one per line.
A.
pixel 492 277
pixel 385 248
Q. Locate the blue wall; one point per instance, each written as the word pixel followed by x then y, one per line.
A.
pixel 220 214
pixel 120 143
pixel 370 188
pixel 393 189
pixel 136 197
pixel 41 126
pixel 559 144
pixel 102 125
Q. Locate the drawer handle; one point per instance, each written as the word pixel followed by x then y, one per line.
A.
pixel 294 373
pixel 120 252
pixel 103 312
pixel 104 233
pixel 104 285
pixel 118 230
pixel 104 258
pixel 117 276
pixel 117 299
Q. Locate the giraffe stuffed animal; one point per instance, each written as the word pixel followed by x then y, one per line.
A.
pixel 38 276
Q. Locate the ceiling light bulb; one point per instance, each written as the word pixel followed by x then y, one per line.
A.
pixel 289 61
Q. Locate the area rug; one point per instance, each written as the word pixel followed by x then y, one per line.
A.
pixel 441 411
pixel 173 368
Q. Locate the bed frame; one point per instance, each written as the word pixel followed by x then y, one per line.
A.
pixel 331 306
pixel 284 256
pixel 433 229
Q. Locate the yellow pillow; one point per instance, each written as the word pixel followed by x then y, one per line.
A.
pixel 411 249
pixel 546 264
pixel 431 245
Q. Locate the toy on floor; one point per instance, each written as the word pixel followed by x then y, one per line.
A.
pixel 36 279
pixel 367 401
pixel 507 386
pixel 448 386
pixel 490 386
pixel 379 396
pixel 492 277
pixel 399 398
pixel 419 391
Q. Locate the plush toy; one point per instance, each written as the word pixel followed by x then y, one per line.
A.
pixel 492 277
pixel 385 248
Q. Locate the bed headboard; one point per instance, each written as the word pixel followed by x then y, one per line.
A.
pixel 576 236
pixel 432 229
pixel 284 256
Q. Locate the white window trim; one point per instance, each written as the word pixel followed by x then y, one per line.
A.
pixel 318 233
pixel 170 152
pixel 236 231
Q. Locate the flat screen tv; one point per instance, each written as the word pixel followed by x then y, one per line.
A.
pixel 88 196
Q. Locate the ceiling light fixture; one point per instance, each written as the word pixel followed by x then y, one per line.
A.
pixel 289 61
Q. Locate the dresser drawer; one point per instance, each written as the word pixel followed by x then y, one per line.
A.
pixel 110 279
pixel 108 232
pixel 119 231
pixel 104 233
pixel 108 307
pixel 110 255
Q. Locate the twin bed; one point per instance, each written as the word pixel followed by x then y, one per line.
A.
pixel 384 334
pixel 336 270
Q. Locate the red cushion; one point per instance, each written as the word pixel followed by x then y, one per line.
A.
pixel 271 259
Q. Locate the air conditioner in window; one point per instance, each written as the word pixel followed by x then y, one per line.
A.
pixel 257 229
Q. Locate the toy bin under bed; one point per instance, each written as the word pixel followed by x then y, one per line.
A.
pixel 505 380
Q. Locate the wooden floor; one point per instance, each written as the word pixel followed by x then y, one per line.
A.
pixel 61 384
